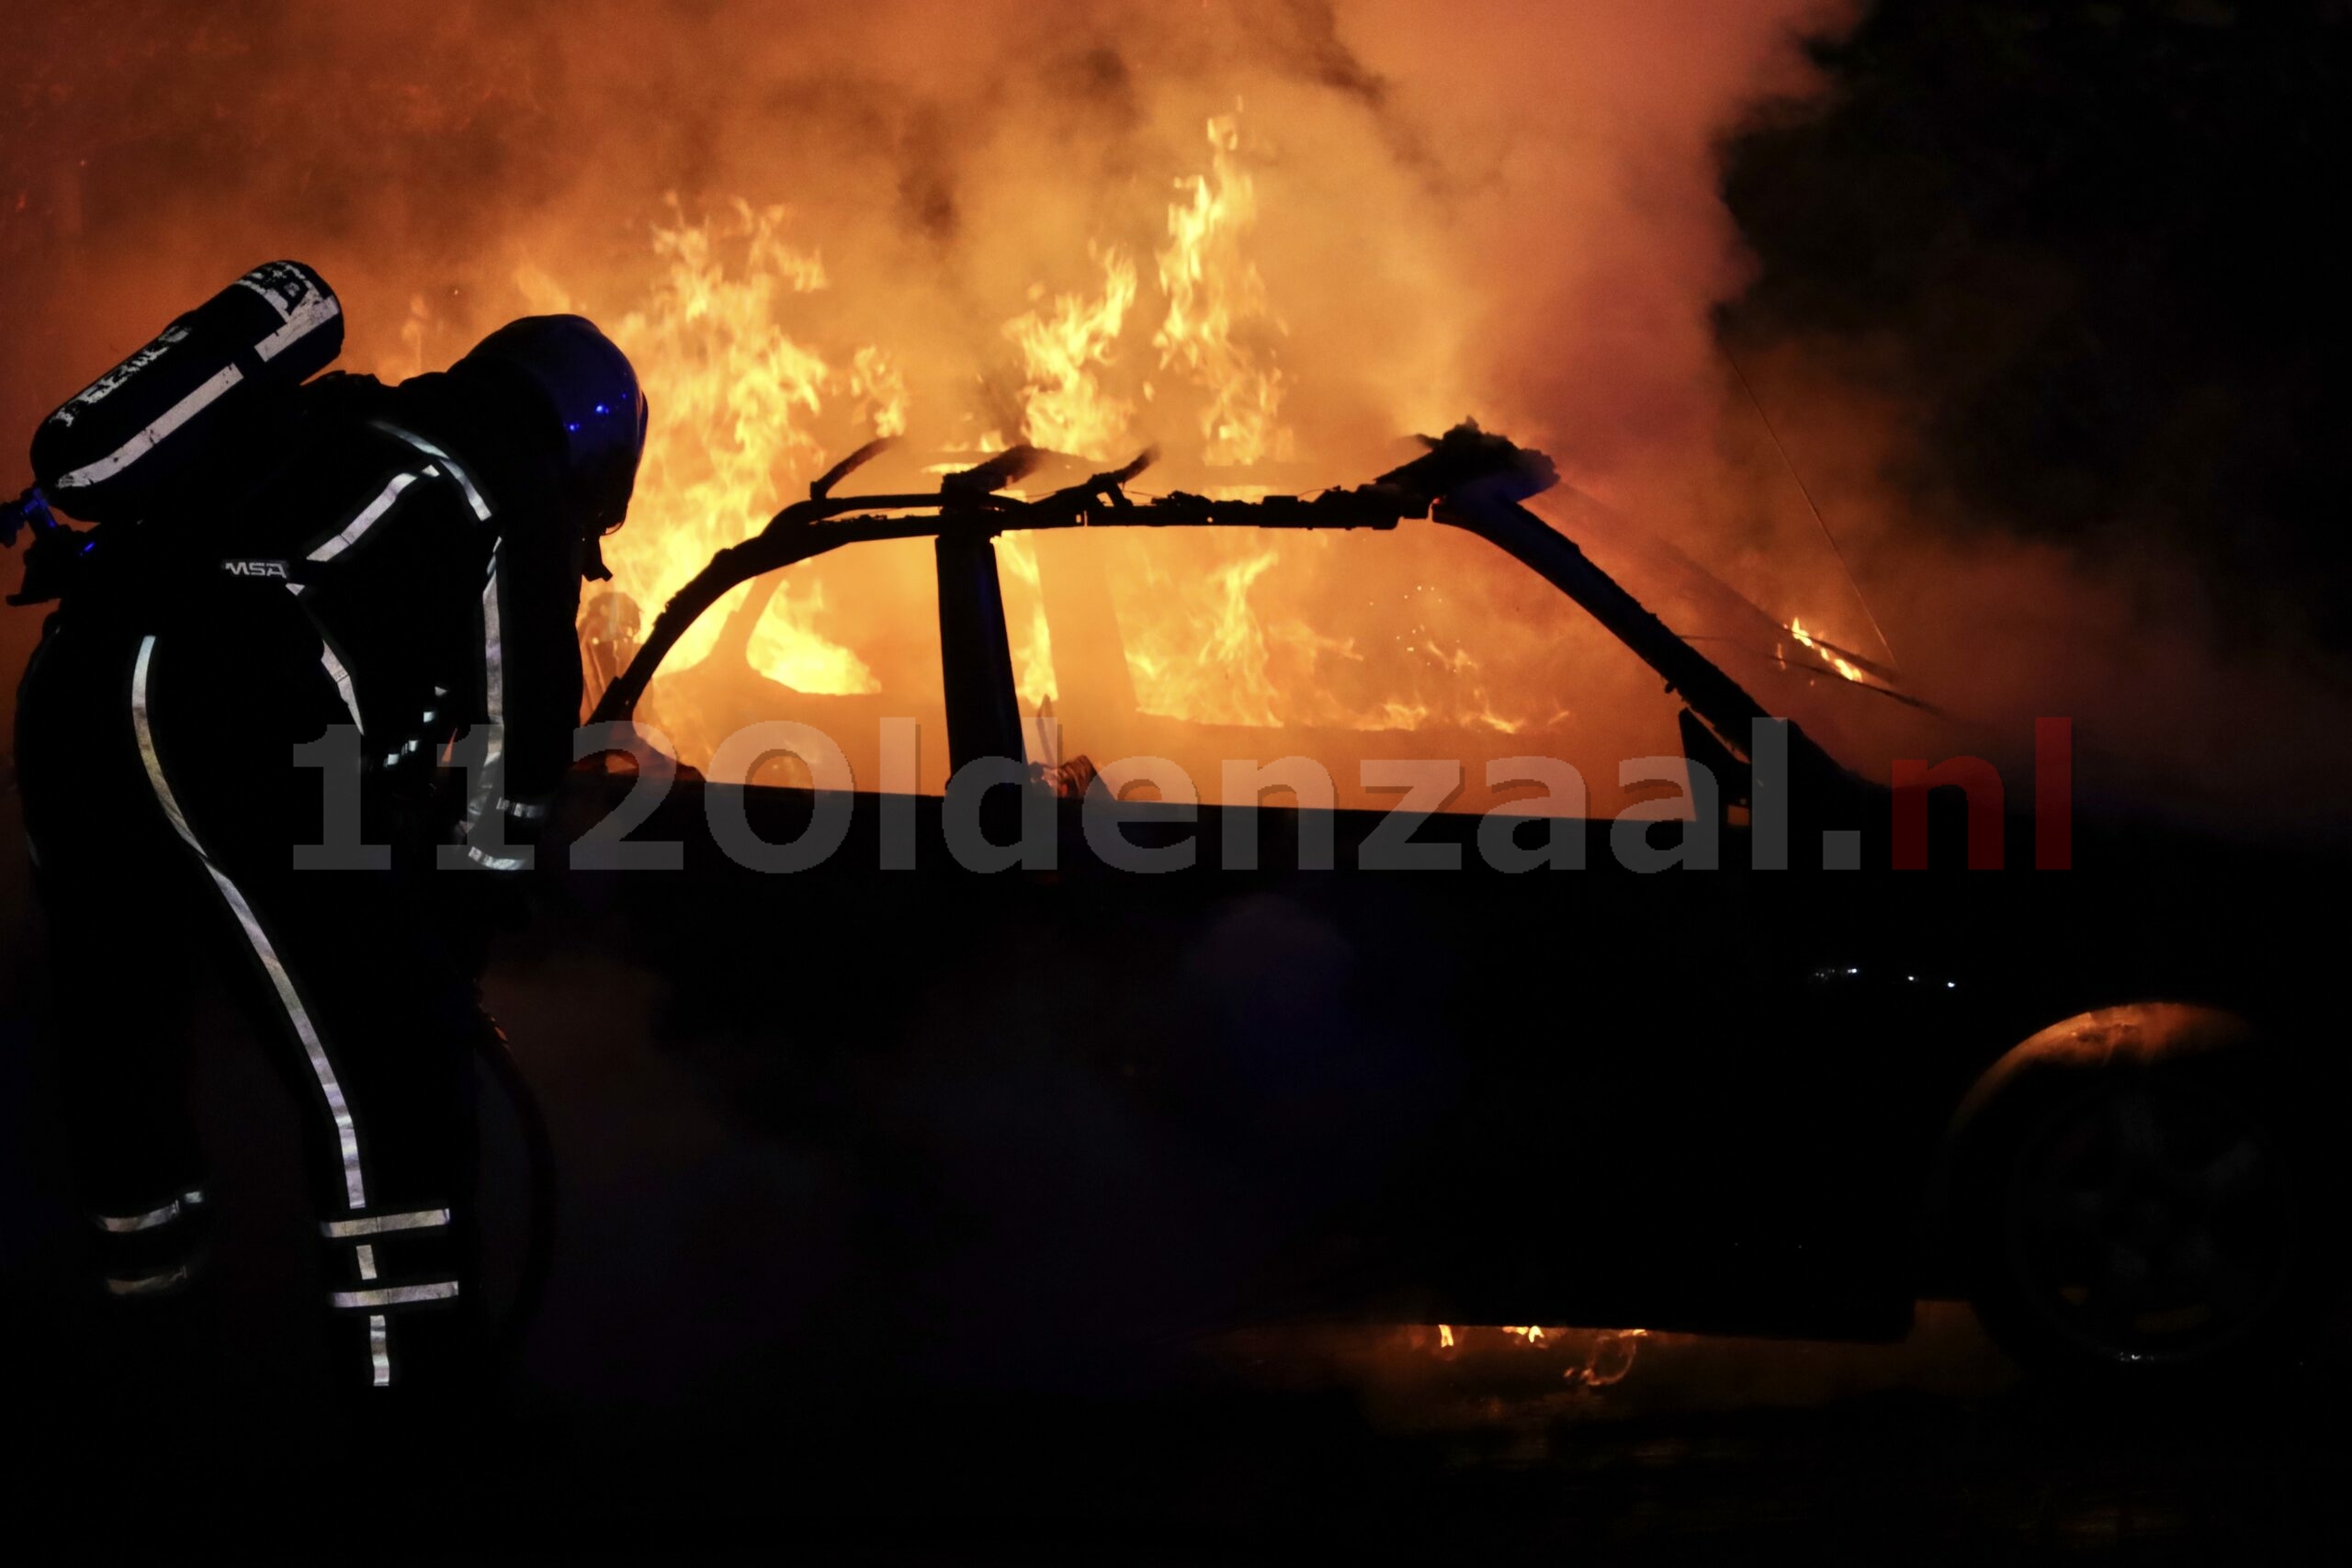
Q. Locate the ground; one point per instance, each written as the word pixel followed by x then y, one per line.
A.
pixel 709 1371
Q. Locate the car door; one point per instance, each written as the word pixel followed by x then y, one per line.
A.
pixel 1567 1089
pixel 1303 1070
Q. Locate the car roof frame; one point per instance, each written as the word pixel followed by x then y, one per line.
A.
pixel 1469 478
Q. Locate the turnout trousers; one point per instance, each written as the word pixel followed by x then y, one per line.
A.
pixel 164 808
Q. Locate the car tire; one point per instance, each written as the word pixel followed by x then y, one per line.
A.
pixel 2154 1227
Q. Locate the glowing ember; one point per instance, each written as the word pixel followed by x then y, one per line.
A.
pixel 1596 1358
pixel 1611 1358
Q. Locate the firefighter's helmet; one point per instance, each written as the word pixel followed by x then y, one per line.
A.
pixel 591 388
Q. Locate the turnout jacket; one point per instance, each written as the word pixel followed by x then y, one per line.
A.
pixel 406 528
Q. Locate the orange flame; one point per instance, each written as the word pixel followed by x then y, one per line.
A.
pixel 734 392
pixel 1844 666
pixel 1063 345
pixel 1213 289
pixel 1218 627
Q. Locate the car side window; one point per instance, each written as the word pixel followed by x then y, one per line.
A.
pixel 1424 644
pixel 842 642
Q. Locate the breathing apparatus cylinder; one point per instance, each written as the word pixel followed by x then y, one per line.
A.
pixel 113 450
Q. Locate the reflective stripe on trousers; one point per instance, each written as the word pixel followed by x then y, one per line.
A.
pixel 347 1135
pixel 298 1014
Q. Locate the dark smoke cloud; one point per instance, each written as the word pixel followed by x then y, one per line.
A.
pixel 2089 248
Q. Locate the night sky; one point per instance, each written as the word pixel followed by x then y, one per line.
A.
pixel 2096 248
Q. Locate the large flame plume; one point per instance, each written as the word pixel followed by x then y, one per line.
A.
pixel 1269 238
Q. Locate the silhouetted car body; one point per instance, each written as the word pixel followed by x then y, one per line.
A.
pixel 1725 1099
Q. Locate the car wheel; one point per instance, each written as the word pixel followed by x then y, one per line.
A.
pixel 2145 1227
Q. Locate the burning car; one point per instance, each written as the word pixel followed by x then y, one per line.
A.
pixel 1774 1086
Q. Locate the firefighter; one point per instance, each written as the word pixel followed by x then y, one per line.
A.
pixel 300 727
